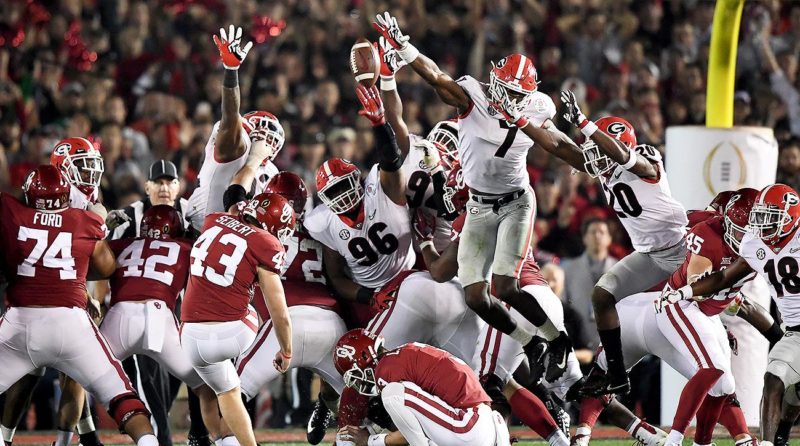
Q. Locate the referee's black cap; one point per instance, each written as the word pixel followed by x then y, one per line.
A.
pixel 161 169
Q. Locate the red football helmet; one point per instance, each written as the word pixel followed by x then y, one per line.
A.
pixel 355 357
pixel 291 187
pixel 776 213
pixel 161 221
pixel 445 135
pixel 46 189
pixel 512 81
pixel 339 185
pixel 79 161
pixel 596 162
pixel 721 200
pixel 270 212
pixel 736 215
pixel 267 121
pixel 456 192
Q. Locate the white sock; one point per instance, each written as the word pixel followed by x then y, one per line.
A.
pixel 634 424
pixel 8 433
pixel 584 431
pixel 744 440
pixel 521 335
pixel 230 440
pixel 557 438
pixel 147 440
pixel 548 330
pixel 674 437
pixel 86 425
pixel 63 438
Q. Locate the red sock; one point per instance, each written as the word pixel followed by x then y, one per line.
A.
pixel 732 418
pixel 591 408
pixel 352 408
pixel 699 384
pixel 530 409
pixel 707 417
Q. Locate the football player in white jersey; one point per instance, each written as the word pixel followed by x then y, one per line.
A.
pixel 228 147
pixel 770 249
pixel 443 138
pixel 498 229
pixel 636 186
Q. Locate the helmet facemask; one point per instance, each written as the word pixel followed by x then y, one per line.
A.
pixel 84 171
pixel 508 95
pixel 767 221
pixel 443 137
pixel 342 194
pixel 733 234
pixel 596 162
pixel 362 380
pixel 275 136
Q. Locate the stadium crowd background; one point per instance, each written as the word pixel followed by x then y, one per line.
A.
pixel 143 79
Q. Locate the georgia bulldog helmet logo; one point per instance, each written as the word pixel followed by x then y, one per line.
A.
pixel 62 150
pixel 791 199
pixel 616 128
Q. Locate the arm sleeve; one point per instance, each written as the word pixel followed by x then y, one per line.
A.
pixel 389 156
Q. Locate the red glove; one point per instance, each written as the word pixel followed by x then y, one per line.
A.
pixel 423 225
pixel 230 50
pixel 370 99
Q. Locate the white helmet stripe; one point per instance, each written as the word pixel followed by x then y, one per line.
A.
pixel 327 168
pixel 87 142
pixel 521 67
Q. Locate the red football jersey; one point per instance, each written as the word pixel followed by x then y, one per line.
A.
pixel 707 239
pixel 149 268
pixel 697 217
pixel 47 253
pixel 224 268
pixel 530 274
pixel 435 371
pixel 303 280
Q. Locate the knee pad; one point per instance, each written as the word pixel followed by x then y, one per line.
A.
pixel 724 386
pixel 782 371
pixel 123 407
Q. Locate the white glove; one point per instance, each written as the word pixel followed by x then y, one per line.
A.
pixel 431 159
pixel 115 218
pixel 669 297
pixel 390 57
pixel 259 149
pixel 387 25
pixel 99 209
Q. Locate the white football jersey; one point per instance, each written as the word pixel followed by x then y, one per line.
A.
pixel 494 153
pixel 781 271
pixel 654 220
pixel 379 248
pixel 215 177
pixel 419 192
pixel 79 200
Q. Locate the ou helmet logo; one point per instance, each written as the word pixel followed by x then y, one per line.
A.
pixel 346 352
pixel 286 214
pixel 617 128
pixel 62 150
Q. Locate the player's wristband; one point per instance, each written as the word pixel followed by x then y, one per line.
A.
pixel 686 292
pixel 233 194
pixel 587 127
pixel 773 333
pixel 231 78
pixel 388 83
pixel 408 53
pixel 365 295
pixel 377 440
pixel 631 161
pixel 425 244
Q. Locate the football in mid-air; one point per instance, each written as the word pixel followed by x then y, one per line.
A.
pixel 365 62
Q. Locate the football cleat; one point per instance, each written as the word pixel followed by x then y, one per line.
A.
pixel 321 418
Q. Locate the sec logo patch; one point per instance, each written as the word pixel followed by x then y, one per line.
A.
pixel 344 234
pixel 761 254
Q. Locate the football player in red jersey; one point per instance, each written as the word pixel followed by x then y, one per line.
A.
pixel 431 396
pixel 493 155
pixel 152 270
pixel 316 323
pixel 50 249
pixel 82 165
pixel 232 255
pixel 770 249
pixel 230 145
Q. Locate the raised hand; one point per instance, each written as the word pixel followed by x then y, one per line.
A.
pixel 573 113
pixel 386 24
pixel 390 60
pixel 370 99
pixel 230 47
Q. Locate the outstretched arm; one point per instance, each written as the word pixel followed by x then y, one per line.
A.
pixel 242 180
pixel 613 148
pixel 390 63
pixel 390 158
pixel 447 89
pixel 229 144
pixel 760 319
